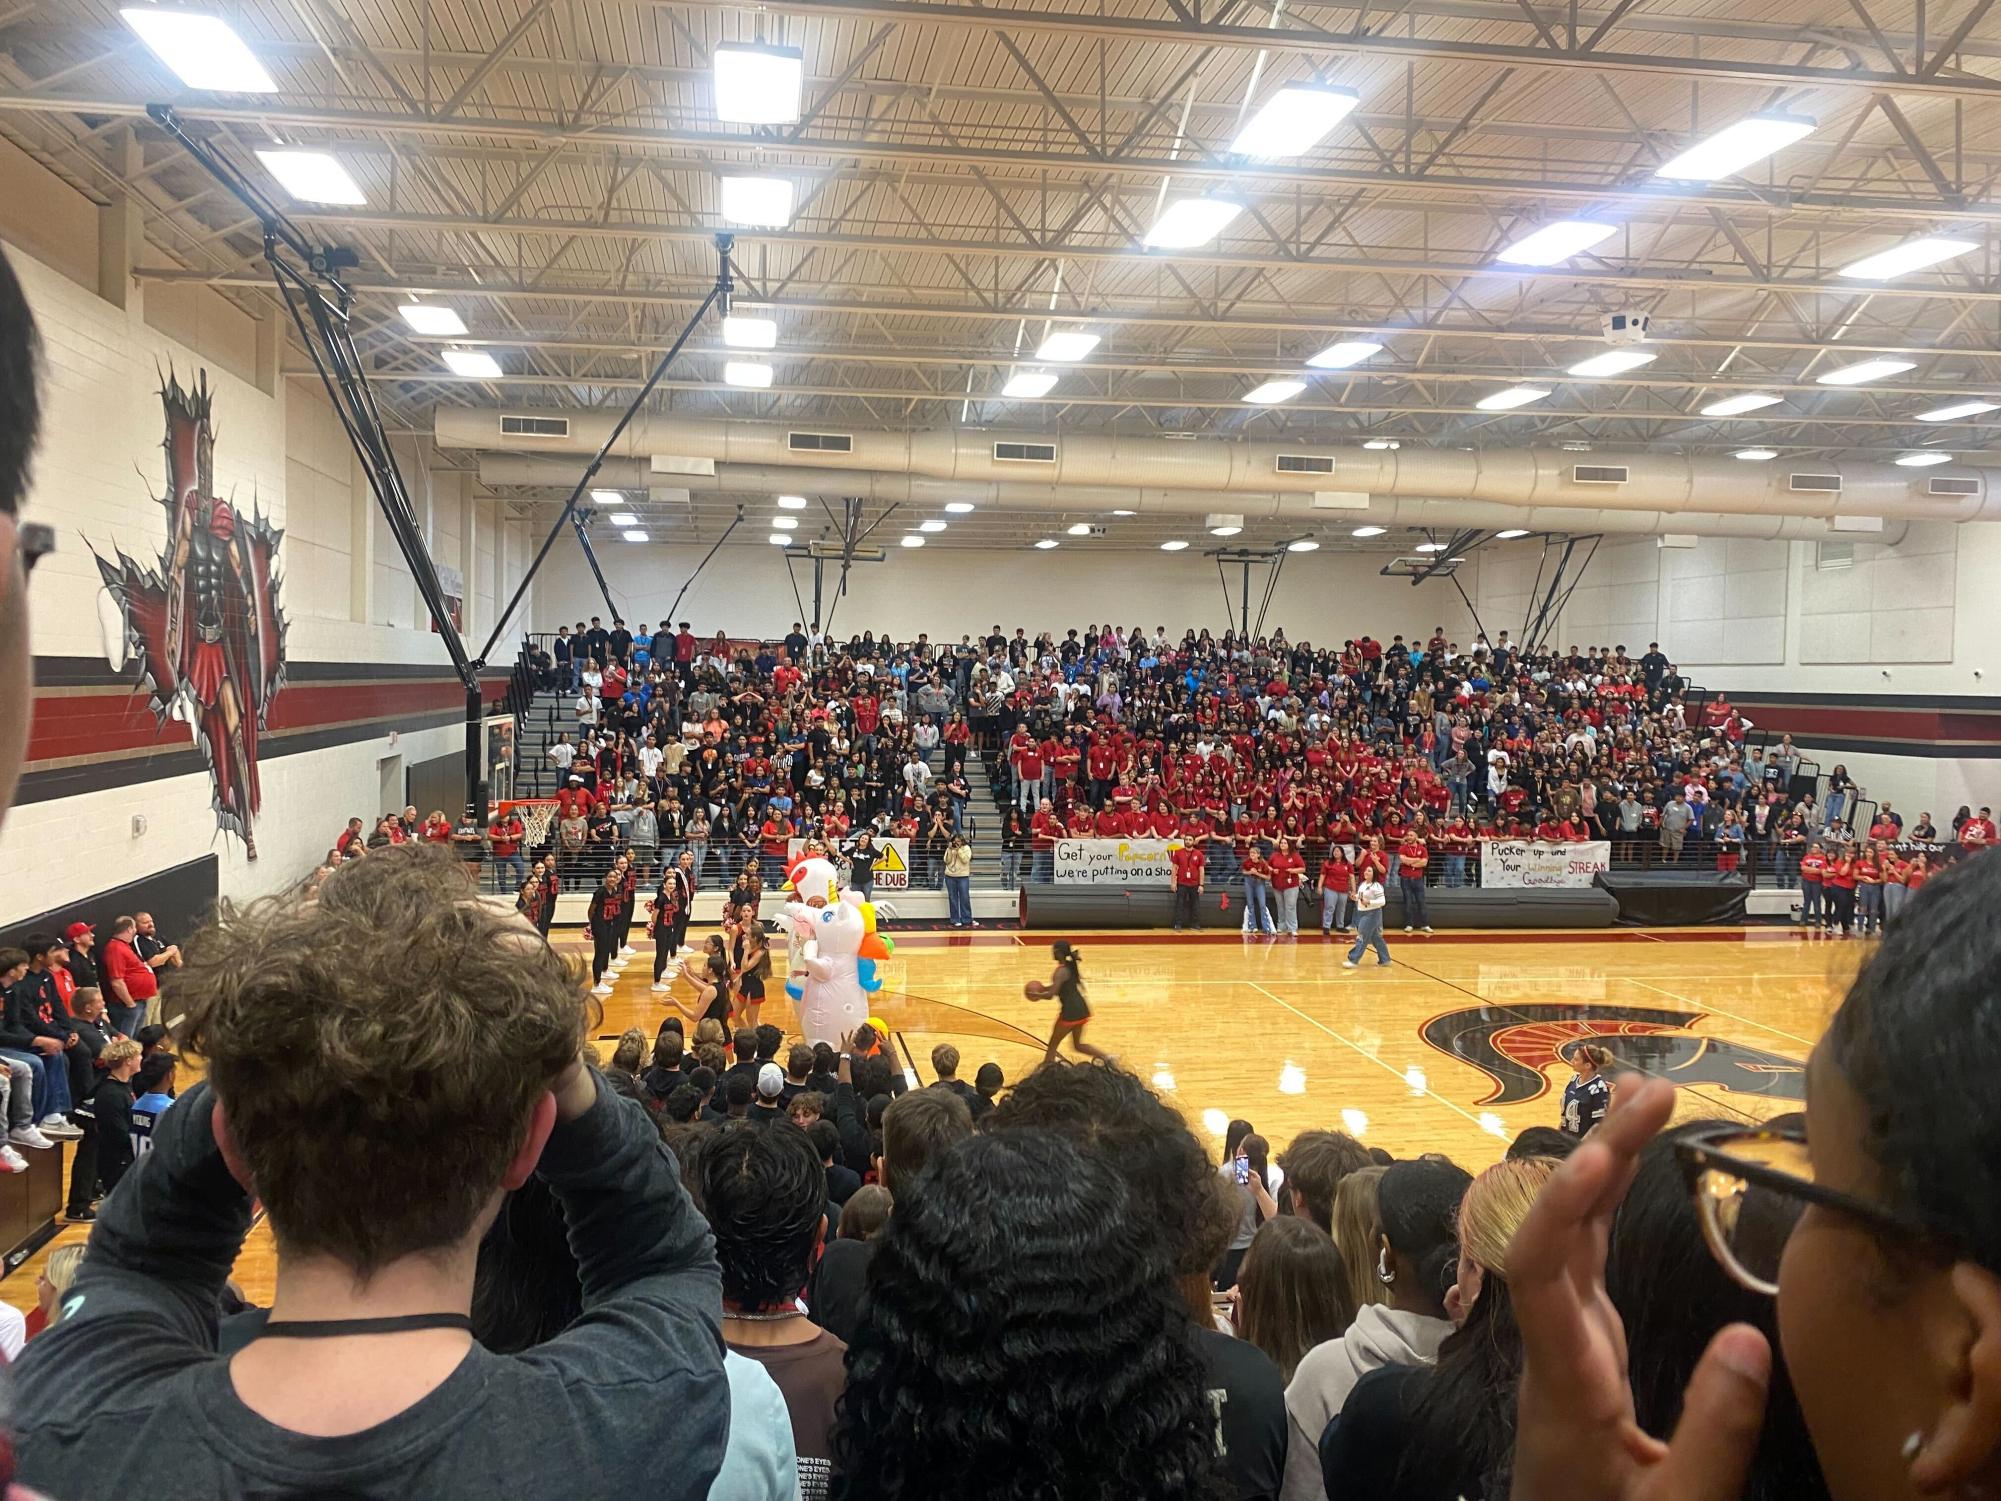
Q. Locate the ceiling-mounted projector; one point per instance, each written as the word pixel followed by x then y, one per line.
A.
pixel 1625 328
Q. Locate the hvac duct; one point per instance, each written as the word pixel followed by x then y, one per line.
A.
pixel 1206 470
pixel 501 470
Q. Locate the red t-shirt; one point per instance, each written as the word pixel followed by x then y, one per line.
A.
pixel 506 835
pixel 1812 869
pixel 1412 856
pixel 1287 869
pixel 1187 862
pixel 1337 875
pixel 122 962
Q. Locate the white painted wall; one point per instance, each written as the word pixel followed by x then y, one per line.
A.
pixel 1321 597
pixel 95 480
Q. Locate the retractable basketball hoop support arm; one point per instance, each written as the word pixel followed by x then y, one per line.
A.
pixel 1542 615
pixel 320 303
pixel 1248 558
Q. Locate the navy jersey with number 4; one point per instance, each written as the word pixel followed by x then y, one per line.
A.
pixel 1584 1104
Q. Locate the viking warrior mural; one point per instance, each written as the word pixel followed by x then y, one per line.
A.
pixel 203 629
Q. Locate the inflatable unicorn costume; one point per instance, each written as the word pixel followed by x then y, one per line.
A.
pixel 836 947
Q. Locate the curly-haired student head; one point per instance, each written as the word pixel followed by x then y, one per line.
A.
pixel 1021 1290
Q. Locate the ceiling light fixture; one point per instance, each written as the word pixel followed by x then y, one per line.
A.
pixel 1175 546
pixel 932 526
pixel 635 536
pixel 1046 543
pixel 1368 531
pixel 1912 255
pixel 758 202
pixel 791 502
pixel 623 518
pixel 1272 392
pixel 1555 243
pixel 757 85
pixel 746 331
pixel 608 497
pixel 1924 460
pixel 473 362
pixel 1735 147
pixel 1125 513
pixel 203 50
pixel 1348 352
pixel 313 177
pixel 1611 362
pixel 780 539
pixel 1431 547
pixel 429 318
pixel 958 507
pixel 1189 222
pixel 1079 528
pixel 1864 370
pixel 1958 410
pixel 911 539
pixel 1755 455
pixel 1304 544
pixel 1508 400
pixel 1293 121
pixel 784 524
pixel 1029 384
pixel 1066 345
pixel 1384 444
pixel 752 375
pixel 1511 534
pixel 1749 401
pixel 1224 531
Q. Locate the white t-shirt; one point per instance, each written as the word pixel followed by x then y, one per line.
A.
pixel 1369 896
pixel 561 754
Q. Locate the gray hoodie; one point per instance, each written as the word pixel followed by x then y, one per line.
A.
pixel 1379 1336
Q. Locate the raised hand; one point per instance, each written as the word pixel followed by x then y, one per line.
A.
pixel 1575 1435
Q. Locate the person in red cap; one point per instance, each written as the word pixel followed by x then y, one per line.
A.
pixel 82 961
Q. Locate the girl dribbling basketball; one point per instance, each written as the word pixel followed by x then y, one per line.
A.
pixel 1066 986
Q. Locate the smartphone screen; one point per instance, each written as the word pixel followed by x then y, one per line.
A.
pixel 1243 1169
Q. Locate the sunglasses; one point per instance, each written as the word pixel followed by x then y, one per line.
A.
pixel 1752 1185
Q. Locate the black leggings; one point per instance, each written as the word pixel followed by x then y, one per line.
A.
pixel 663 950
pixel 1844 906
pixel 604 948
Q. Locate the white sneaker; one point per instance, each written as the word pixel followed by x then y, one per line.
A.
pixel 1349 964
pixel 601 989
pixel 1409 929
pixel 12 1161
pixel 28 1136
pixel 57 1125
pixel 1425 929
pixel 660 987
pixel 627 952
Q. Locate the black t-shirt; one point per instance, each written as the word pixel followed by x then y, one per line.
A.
pixel 1247 1402
pixel 838 1297
pixel 795 646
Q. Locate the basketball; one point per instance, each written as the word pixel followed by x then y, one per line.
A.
pixel 1034 991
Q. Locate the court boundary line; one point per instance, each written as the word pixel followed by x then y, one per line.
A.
pixel 1804 1042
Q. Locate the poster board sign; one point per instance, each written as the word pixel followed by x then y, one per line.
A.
pixel 1525 864
pixel 1114 862
pixel 892 862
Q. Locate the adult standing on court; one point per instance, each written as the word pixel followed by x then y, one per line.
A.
pixel 1369 900
pixel 1187 860
pixel 1813 875
pixel 1413 855
pixel 1257 890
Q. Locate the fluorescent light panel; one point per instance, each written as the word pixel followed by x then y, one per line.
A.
pixel 1224 531
pixel 1864 370
pixel 911 539
pixel 931 526
pixel 428 318
pixel 750 374
pixel 1348 352
pixel 1273 392
pixel 1046 543
pixel 958 507
pixel 313 177
pixel 1511 533
pixel 1188 222
pixel 1958 410
pixel 624 518
pixel 1912 255
pixel 1067 345
pixel 1384 444
pixel 1735 147
pixel 1029 384
pixel 634 536
pixel 1555 243
pixel 475 362
pixel 1304 544
pixel 1368 531
pixel 758 202
pixel 1431 547
pixel 608 497
pixel 1080 528
pixel 1508 400
pixel 1749 401
pixel 758 85
pixel 1611 362
pixel 1294 120
pixel 784 524
pixel 791 502
pixel 1755 455
pixel 1175 546
pixel 204 51
pixel 745 331
pixel 1924 460
pixel 780 539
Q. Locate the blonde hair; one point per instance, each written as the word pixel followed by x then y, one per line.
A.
pixel 1358 1232
pixel 1495 1206
pixel 63 1264
pixel 710 1030
pixel 120 1050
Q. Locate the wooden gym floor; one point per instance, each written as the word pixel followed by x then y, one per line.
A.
pixel 1452 1049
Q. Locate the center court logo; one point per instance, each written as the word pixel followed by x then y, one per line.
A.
pixel 1515 1045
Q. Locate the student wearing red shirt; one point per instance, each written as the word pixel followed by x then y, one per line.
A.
pixel 1043 831
pixel 506 831
pixel 1025 759
pixel 1455 842
pixel 1895 870
pixel 1979 830
pixel 1337 885
pixel 1101 764
pixel 1084 825
pixel 1187 862
pixel 774 841
pixel 1257 892
pixel 1371 864
pixel 1841 890
pixel 1869 889
pixel 1288 870
pixel 1413 854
